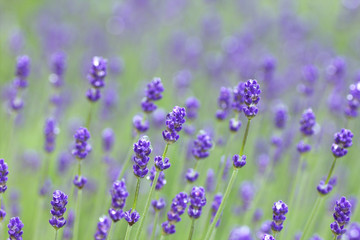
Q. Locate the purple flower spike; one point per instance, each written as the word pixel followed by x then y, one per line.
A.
pixel 191 175
pixel 51 130
pixel 96 78
pixel 268 237
pixel 302 147
pixel 108 138
pixel 158 205
pixel 119 195
pixel 58 67
pixel 142 150
pixel 353 100
pixel 82 148
pixel 79 181
pixel 161 164
pixel 337 229
pixel 325 189
pixel 234 124
pixel 280 209
pixel 174 122
pixel 161 180
pixel 93 94
pixel 22 71
pixel 280 116
pixel 3 175
pixel 131 217
pixel 238 97
pixel 15 228
pixel 210 181
pixel 168 228
pixel 202 145
pixel 342 140
pixel 153 93
pixel 342 211
pixel 192 105
pixel 197 202
pixel 307 122
pixel 58 202
pixel 224 103
pixel 239 162
pixel 2 214
pixel 251 98
pixel 140 123
pixel 102 229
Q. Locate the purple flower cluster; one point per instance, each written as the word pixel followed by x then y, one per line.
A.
pixel 310 74
pixel 58 203
pixel 353 232
pixel 280 209
pixel 191 175
pixel 153 93
pixel 307 122
pixel 3 175
pixel 131 216
pixel 174 122
pixel 202 145
pixel 353 100
pixel 341 216
pixel 342 141
pixel 197 202
pixel 50 131
pixel 140 123
pixel 238 97
pixel 15 228
pixel 280 116
pixel 82 148
pixel 215 207
pixel 161 164
pixel 161 180
pixel 58 67
pixel 192 105
pixel 158 204
pixel 108 138
pixel 119 194
pixel 141 158
pixel 325 188
pixel 224 103
pixel 234 124
pixel 267 237
pixel 102 229
pixel 239 162
pixel 303 147
pixel 96 78
pixel 22 72
pixel 251 98
pixel 178 207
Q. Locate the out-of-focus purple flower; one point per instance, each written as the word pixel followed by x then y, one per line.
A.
pixel 258 214
pixel 174 122
pixel 239 162
pixel 81 148
pixel 197 202
pixel 64 161
pixel 58 67
pixel 202 145
pixel 131 217
pixel 224 103
pixel 335 71
pixel 182 79
pixel 3 175
pixel 353 100
pixel 215 207
pixel 140 123
pixel 247 193
pixel 96 78
pixel 158 205
pixel 192 105
pixel 102 229
pixel 307 122
pixel 263 161
pixel 191 175
pixel 153 93
pixel 342 141
pixel 178 207
pixel 158 117
pixel 241 233
pixel 238 97
pixel 119 195
pixel 58 203
pixel 210 181
pixel 353 232
pixel 316 237
pixel 46 187
pixel 280 209
pixel 67 235
pixel 303 147
pixel 15 228
pixel 50 131
pixel 79 181
pixel 280 116
pixel 108 138
pixel 310 74
pixel 22 71
pixel 161 180
pixel 234 124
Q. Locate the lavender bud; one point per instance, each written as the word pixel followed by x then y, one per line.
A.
pixel 108 138
pixel 161 180
pixel 140 123
pixel 342 140
pixel 280 209
pixel 234 124
pixel 192 105
pixel 79 181
pixel 197 201
pixel 174 122
pixel 58 203
pixel 3 175
pixel 191 175
pixel 239 162
pixel 50 131
pixel 102 228
pixel 15 228
pixel 142 151
pixel 158 205
pixel 202 145
pixel 307 122
pixel 82 148
pixel 131 217
pixel 161 164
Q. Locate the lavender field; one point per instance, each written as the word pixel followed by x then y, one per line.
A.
pixel 179 119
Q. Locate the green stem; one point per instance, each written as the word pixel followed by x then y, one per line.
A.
pixel 128 231
pixel 154 226
pixel 245 138
pixel 312 217
pixel 88 120
pixel 136 193
pixel 208 219
pixel 331 171
pixel 222 205
pixel 162 237
pixel 147 205
pixel 77 216
pixel 191 229
pixel 56 234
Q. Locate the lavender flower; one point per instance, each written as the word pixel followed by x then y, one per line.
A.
pixel 192 105
pixel 15 228
pixel 58 203
pixel 161 180
pixel 239 162
pixel 161 164
pixel 108 139
pixel 68 234
pixel 268 237
pixel 224 103
pixel 102 228
pixel 251 98
pixel 280 209
pixel 119 194
pixel 174 122
pixel 303 147
pixel 22 71
pixel 215 206
pixel 153 93
pixel 96 78
pixel 158 205
pixel 316 237
pixel 353 232
pixel 197 202
pixel 82 148
pixel 58 66
pixel 234 124
pixel 238 97
pixel 140 123
pixel 342 141
pixel 202 145
pixel 79 181
pixel 325 188
pixel 310 74
pixel 51 130
pixel 210 181
pixel 243 233
pixel 142 151
pixel 280 116
pixel 178 206
pixel 353 100
pixel 3 175
pixel 307 122
pixel 191 175
pixel 131 217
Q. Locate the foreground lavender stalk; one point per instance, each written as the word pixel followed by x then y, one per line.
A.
pixel 58 203
pixel 3 179
pixel 251 98
pixel 197 202
pixel 15 228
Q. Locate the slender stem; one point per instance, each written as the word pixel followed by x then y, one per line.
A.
pixel 331 171
pixel 191 229
pixel 56 234
pixel 335 237
pixel 77 216
pixel 147 205
pixel 245 137
pixel 38 216
pixel 136 193
pixel 111 231
pixel 88 120
pixel 222 205
pixel 155 225
pixel 128 231
pixel 312 217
